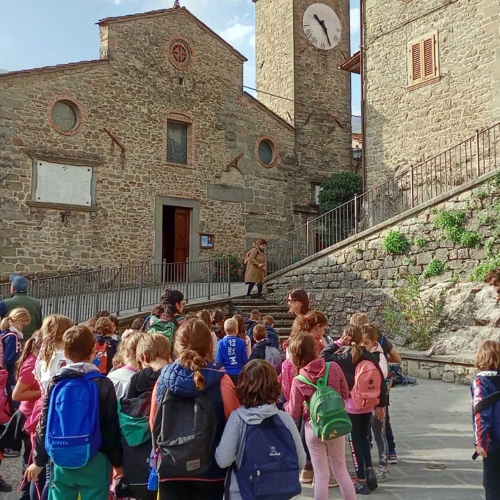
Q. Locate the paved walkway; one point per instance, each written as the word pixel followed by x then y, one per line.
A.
pixel 432 425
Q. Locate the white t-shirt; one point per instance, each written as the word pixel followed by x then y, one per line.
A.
pixel 121 379
pixel 44 373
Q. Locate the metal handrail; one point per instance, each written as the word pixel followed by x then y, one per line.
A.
pixel 412 187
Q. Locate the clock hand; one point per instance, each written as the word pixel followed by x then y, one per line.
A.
pixel 325 29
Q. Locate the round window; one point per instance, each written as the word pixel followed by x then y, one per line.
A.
pixel 65 116
pixel 180 53
pixel 266 152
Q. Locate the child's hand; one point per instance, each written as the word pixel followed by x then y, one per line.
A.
pixel 345 339
pixel 380 413
pixel 481 452
pixel 32 472
pixel 118 473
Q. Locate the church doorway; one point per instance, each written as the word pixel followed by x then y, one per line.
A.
pixel 175 234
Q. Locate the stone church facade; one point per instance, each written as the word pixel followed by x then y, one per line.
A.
pixel 155 152
pixel 431 76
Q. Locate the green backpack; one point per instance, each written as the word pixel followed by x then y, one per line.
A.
pixel 329 419
pixel 167 328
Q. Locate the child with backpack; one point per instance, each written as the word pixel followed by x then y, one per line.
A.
pixel 105 345
pixel 322 387
pixel 11 327
pixel 231 351
pixel 264 349
pixel 242 334
pixel 26 392
pixel 152 354
pixel 252 320
pixel 391 354
pixel 122 375
pixel 485 390
pixel 370 336
pixel 184 445
pixel 272 334
pixel 368 393
pixel 79 429
pixel 256 426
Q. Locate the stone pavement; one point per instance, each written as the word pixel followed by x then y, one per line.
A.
pixel 432 425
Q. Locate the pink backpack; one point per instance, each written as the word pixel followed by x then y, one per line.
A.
pixel 367 382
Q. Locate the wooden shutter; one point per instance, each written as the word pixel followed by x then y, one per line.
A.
pixel 416 63
pixel 429 63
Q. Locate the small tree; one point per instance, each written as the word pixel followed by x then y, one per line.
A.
pixel 339 189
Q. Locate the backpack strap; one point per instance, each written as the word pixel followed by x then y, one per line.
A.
pixel 321 382
pixel 487 402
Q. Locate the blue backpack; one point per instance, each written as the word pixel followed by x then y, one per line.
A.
pixel 73 429
pixel 269 467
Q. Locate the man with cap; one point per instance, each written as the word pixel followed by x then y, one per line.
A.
pixel 20 298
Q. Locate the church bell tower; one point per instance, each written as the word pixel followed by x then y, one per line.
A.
pixel 299 47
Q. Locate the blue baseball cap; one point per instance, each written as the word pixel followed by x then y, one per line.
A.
pixel 20 283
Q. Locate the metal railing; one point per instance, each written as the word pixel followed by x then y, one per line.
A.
pixel 471 158
pixel 127 289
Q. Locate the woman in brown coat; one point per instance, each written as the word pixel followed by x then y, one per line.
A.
pixel 256 267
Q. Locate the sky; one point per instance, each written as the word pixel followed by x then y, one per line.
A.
pixel 35 33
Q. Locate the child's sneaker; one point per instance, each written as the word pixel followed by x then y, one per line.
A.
pixel 8 453
pixel 371 479
pixel 4 487
pixel 383 474
pixel 306 476
pixel 392 457
pixel 361 489
pixel 333 483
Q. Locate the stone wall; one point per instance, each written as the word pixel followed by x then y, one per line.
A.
pixel 359 275
pixel 131 94
pixel 404 125
pixel 458 369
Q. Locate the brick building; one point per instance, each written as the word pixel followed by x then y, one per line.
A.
pixel 431 77
pixel 154 151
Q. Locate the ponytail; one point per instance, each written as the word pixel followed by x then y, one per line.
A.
pixel 195 362
pixel 356 337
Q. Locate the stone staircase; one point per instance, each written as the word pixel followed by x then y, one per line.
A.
pixel 282 318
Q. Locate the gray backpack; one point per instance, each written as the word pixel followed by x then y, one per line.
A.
pixel 273 357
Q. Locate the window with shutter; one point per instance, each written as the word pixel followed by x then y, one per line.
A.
pixel 423 65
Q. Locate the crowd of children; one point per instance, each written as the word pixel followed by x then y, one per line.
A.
pixel 181 407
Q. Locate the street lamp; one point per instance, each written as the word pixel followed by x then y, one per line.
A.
pixel 357 154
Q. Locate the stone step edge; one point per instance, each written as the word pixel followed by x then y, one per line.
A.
pixel 449 359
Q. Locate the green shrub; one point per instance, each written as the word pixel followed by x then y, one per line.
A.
pixel 421 242
pixel 395 242
pixel 434 268
pixel 480 271
pixel 411 317
pixel 339 189
pixel 220 268
pixel 471 239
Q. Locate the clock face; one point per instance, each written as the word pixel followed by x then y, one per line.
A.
pixel 322 26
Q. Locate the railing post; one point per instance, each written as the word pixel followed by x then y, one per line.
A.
pixel 141 281
pixel 356 215
pixel 187 278
pixel 57 286
pixel 308 246
pixel 228 267
pixel 478 158
pixel 119 290
pixel 412 187
pixel 208 279
pixel 78 296
pixel 98 291
pixel 35 285
pixel 163 273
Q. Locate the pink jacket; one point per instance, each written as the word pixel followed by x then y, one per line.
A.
pixel 301 392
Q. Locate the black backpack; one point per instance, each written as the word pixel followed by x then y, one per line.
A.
pixel 184 432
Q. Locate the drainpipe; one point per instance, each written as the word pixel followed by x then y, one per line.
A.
pixel 362 71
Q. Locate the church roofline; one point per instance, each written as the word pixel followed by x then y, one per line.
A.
pixel 48 69
pixel 153 13
pixel 269 111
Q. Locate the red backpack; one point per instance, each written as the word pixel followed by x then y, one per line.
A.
pixel 367 382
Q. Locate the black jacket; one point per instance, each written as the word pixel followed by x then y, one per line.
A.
pixel 108 416
pixel 344 360
pixel 141 382
pixel 259 349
